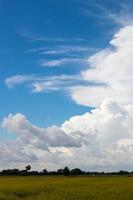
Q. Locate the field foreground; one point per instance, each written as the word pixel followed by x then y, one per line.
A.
pixel 66 188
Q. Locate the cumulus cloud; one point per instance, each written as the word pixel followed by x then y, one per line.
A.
pixel 112 71
pixel 100 139
pixel 34 144
pixel 106 133
pixel 40 137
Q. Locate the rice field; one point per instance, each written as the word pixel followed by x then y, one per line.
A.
pixel 66 188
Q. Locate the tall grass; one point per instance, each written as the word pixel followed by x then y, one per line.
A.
pixel 66 188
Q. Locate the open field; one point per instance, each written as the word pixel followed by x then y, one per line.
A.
pixel 66 188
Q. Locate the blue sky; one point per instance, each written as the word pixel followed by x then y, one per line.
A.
pixel 45 46
pixel 33 25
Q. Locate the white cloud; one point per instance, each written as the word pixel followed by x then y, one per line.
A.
pixel 112 71
pixel 104 13
pixel 40 137
pixel 52 63
pixel 100 140
pixel 45 86
pixel 62 49
pixel 62 62
pixel 18 79
pixel 123 17
pixel 67 50
pixel 32 37
pixel 44 83
pixel 107 134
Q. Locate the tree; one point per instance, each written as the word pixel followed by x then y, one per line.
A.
pixel 66 171
pixel 45 171
pixel 60 171
pixel 76 171
pixel 28 168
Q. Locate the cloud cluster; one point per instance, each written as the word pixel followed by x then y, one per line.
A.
pixel 42 138
pixel 34 144
pixel 100 139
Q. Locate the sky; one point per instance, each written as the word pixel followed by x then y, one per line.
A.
pixel 66 76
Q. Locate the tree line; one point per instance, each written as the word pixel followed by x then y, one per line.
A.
pixel 64 172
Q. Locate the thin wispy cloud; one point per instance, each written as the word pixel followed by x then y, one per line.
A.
pixel 63 62
pixel 30 36
pixel 63 55
pixel 122 16
pixel 38 84
pixel 47 39
pixel 67 50
pixel 62 49
pixel 11 82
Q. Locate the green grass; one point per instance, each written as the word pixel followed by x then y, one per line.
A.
pixel 66 188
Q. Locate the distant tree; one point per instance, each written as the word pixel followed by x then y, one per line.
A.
pixel 76 171
pixel 28 168
pixel 23 172
pixel 45 171
pixel 66 171
pixel 60 172
pixel 121 172
pixel 10 172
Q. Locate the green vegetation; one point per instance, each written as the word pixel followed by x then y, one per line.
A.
pixel 66 188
